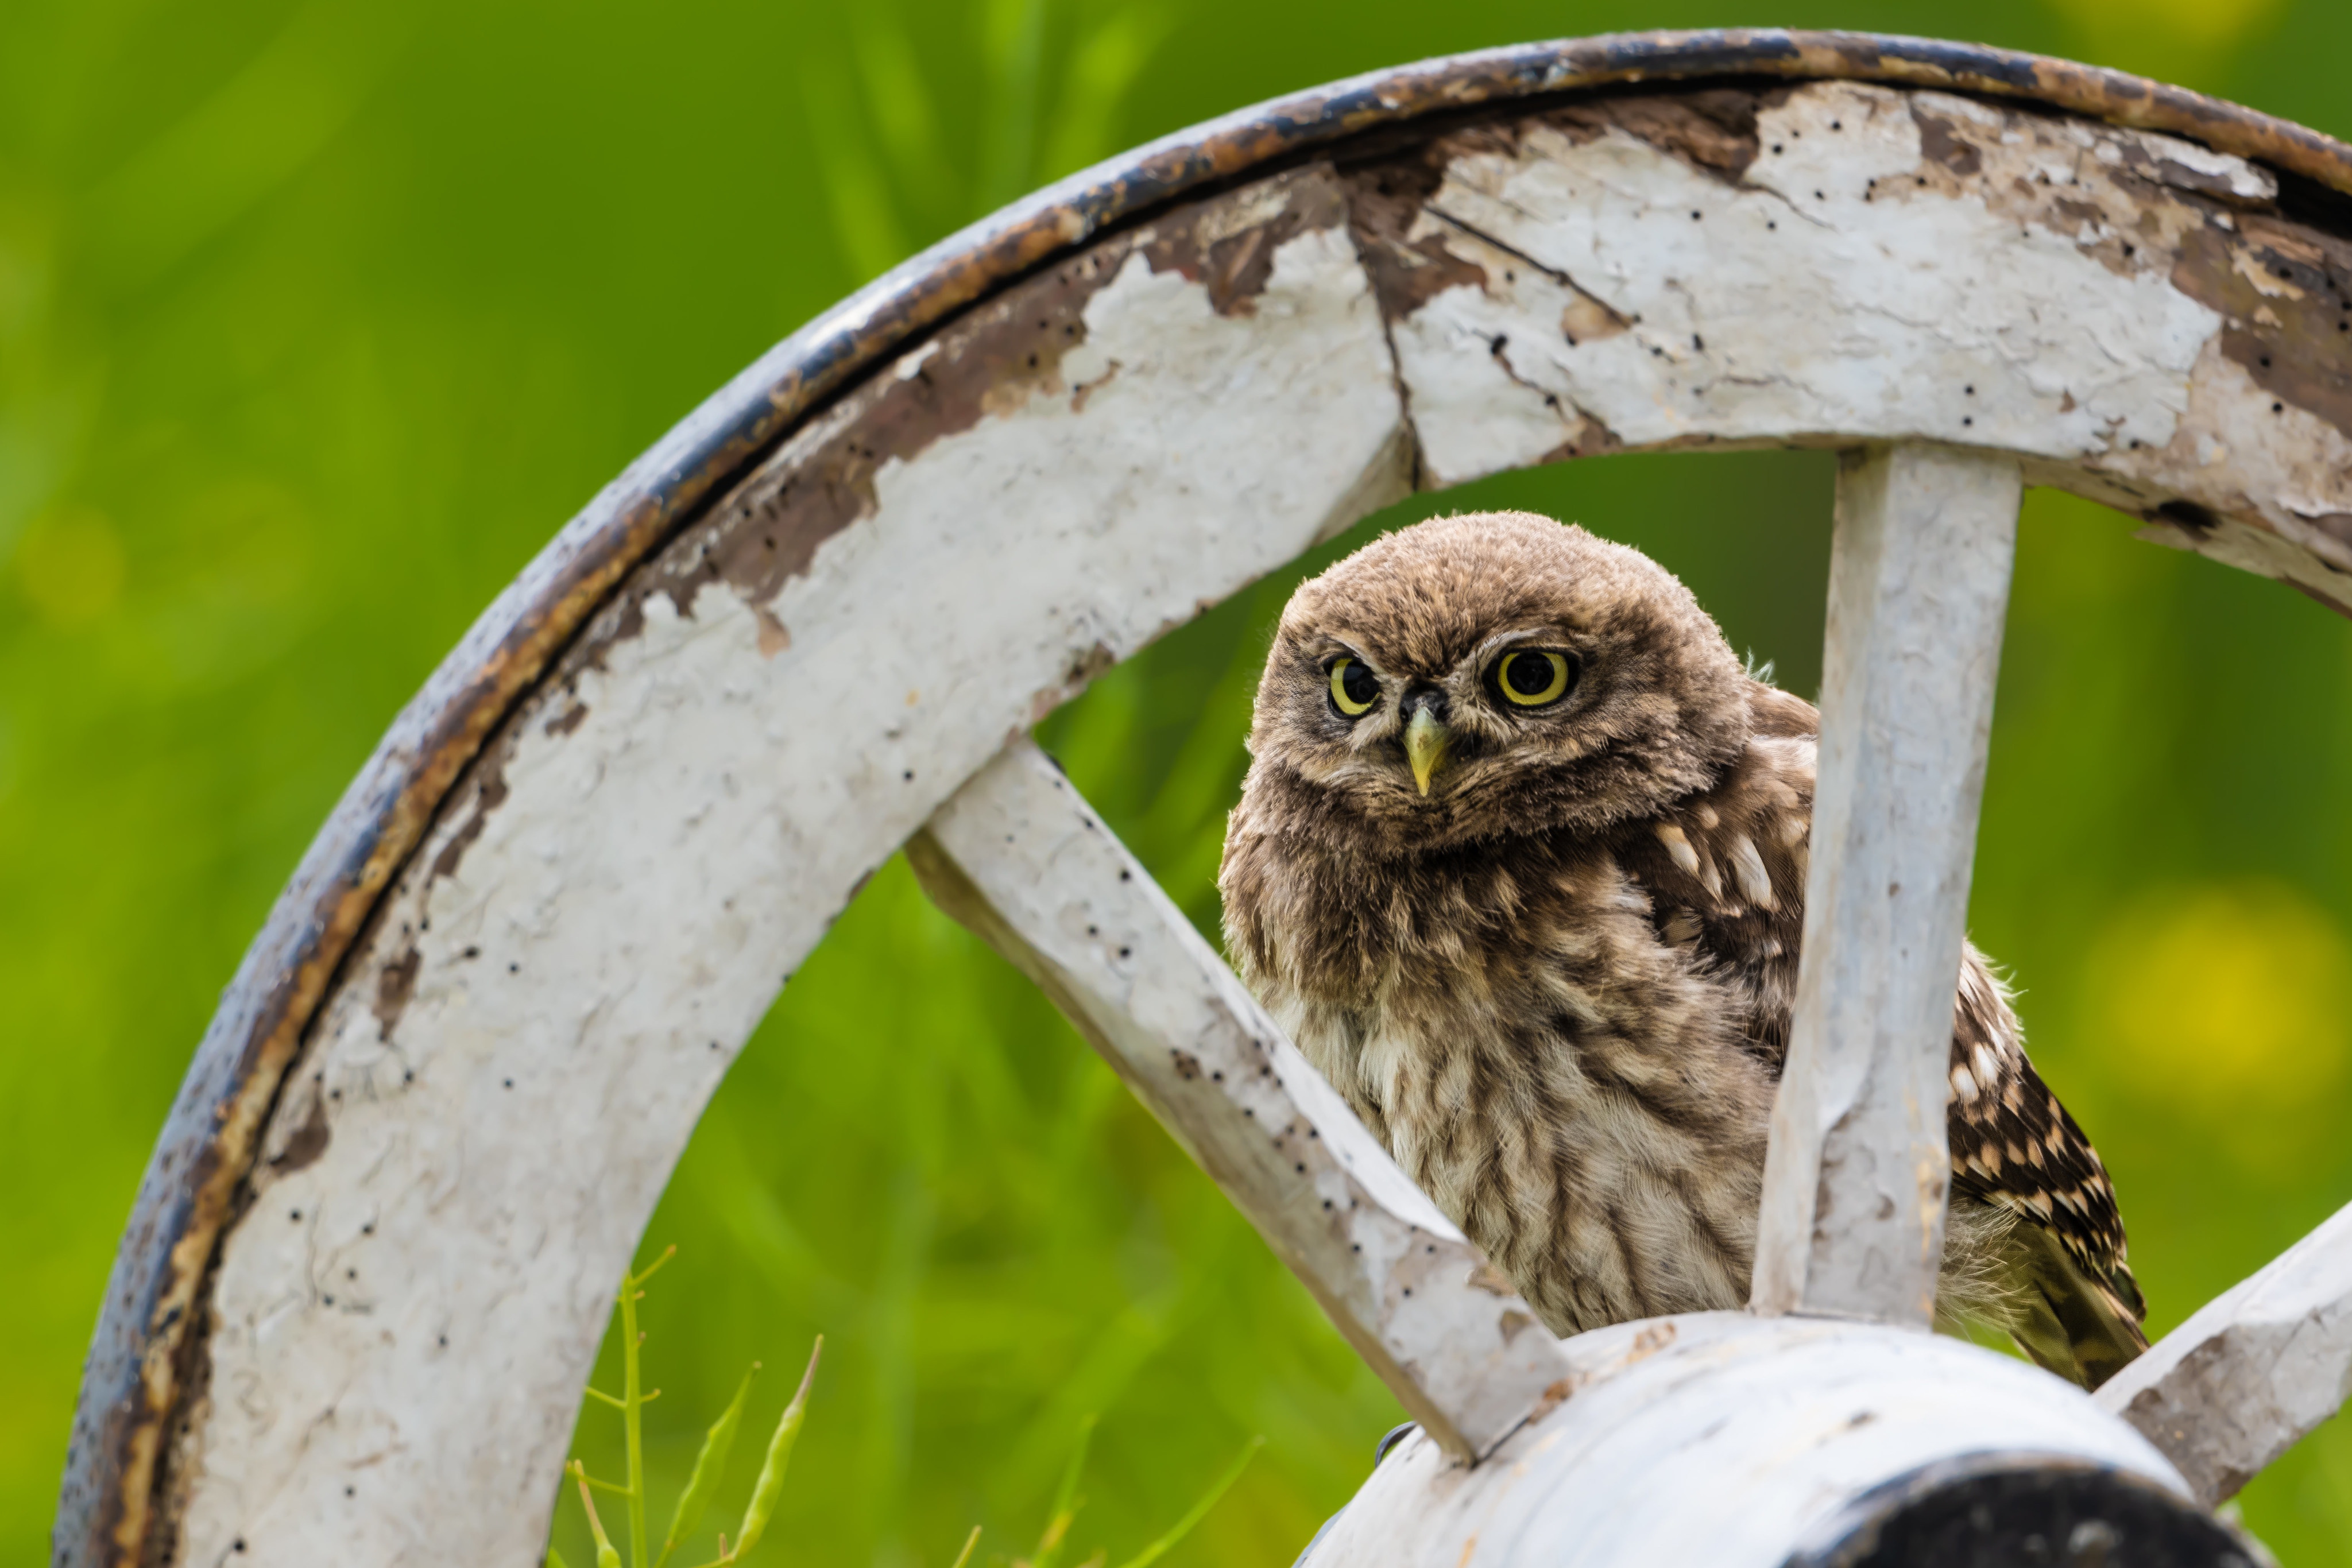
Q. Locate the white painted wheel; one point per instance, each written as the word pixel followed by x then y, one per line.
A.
pixel 808 623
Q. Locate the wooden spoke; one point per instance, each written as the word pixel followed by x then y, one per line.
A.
pixel 1853 1216
pixel 2252 1374
pixel 1021 860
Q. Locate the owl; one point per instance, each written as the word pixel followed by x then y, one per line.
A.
pixel 1520 863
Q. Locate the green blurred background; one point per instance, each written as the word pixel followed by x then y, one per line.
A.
pixel 316 320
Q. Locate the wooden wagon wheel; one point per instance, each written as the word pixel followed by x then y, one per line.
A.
pixel 377 1236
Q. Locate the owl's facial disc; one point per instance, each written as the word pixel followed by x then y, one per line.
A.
pixel 1491 675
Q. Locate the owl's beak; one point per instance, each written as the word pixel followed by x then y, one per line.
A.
pixel 1425 739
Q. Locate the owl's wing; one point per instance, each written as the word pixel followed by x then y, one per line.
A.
pixel 1726 875
pixel 1725 870
pixel 2059 1279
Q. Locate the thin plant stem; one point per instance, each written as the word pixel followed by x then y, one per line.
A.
pixel 632 1411
pixel 1183 1527
pixel 630 1423
pixel 605 1556
pixel 1066 1503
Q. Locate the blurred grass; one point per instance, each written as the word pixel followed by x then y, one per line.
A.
pixel 316 320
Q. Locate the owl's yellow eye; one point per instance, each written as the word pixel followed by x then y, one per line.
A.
pixel 1532 677
pixel 1354 689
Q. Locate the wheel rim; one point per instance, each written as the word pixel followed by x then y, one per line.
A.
pixel 1294 268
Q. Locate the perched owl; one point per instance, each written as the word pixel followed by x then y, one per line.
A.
pixel 1521 865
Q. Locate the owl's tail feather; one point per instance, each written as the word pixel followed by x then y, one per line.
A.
pixel 2080 1324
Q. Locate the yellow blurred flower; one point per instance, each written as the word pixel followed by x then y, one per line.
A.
pixel 2228 1002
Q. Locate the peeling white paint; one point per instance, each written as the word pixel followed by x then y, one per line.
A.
pixel 1850 285
pixel 2253 452
pixel 1826 295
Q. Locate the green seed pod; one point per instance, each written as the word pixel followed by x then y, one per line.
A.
pixel 710 1466
pixel 772 1468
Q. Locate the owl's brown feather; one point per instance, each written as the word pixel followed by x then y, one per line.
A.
pixel 1558 987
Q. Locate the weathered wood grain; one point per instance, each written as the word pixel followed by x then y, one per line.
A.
pixel 2253 1371
pixel 1021 859
pixel 1854 1183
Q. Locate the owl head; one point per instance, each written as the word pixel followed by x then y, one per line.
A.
pixel 1488 674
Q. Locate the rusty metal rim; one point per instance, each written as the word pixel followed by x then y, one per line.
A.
pixel 144 1358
